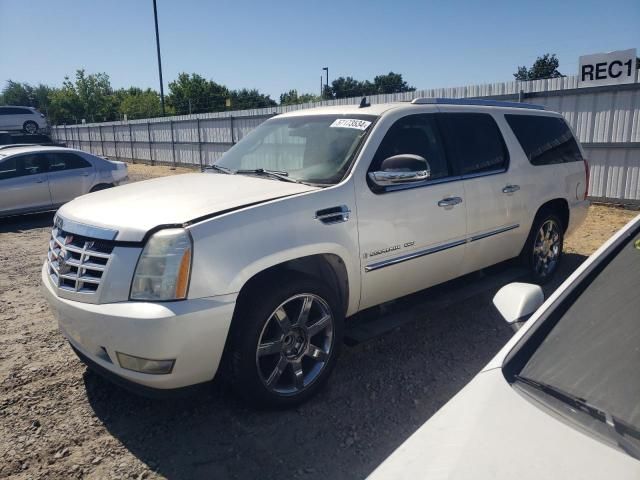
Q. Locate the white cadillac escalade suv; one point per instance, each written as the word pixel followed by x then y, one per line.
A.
pixel 315 215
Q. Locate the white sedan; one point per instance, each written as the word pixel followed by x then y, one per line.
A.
pixel 561 399
pixel 36 178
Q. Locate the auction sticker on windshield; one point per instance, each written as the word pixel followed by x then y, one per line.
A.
pixel 351 123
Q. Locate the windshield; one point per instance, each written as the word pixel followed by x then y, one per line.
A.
pixel 314 149
pixel 593 351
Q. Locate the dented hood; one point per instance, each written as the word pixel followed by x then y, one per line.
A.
pixel 134 209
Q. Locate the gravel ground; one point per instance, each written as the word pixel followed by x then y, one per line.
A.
pixel 59 420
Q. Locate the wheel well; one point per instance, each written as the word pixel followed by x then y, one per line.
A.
pixel 101 186
pixel 326 267
pixel 560 207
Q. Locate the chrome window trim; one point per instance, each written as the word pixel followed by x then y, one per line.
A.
pixel 84 230
pixel 485 174
pixel 425 183
pixel 439 181
pixel 428 251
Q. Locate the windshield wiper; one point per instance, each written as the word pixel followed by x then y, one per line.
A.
pixel 219 169
pixel 284 176
pixel 618 427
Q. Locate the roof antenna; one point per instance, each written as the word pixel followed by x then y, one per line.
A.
pixel 364 103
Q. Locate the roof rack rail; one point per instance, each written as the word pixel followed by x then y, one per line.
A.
pixel 474 101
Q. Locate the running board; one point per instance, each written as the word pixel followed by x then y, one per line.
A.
pixel 377 321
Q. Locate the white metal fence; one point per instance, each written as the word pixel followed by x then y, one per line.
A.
pixel 605 119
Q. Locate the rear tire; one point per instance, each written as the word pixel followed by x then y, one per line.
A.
pixel 542 252
pixel 285 340
pixel 30 127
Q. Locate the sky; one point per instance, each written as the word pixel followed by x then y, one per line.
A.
pixel 279 45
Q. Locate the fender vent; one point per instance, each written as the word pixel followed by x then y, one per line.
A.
pixel 333 214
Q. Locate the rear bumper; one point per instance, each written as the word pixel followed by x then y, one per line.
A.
pixel 577 215
pixel 191 332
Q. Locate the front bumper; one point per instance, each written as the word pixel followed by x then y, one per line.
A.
pixel 193 332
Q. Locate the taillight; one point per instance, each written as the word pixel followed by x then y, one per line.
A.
pixel 587 173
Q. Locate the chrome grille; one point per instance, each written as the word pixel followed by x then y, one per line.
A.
pixel 77 263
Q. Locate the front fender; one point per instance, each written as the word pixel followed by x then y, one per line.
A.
pixel 231 249
pixel 277 258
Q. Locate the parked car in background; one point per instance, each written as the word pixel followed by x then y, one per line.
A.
pixel 315 215
pixel 560 400
pixel 10 139
pixel 37 178
pixel 27 119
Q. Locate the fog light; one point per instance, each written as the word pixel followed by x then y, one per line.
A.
pixel 145 365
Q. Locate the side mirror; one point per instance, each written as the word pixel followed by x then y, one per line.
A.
pixel 399 169
pixel 517 301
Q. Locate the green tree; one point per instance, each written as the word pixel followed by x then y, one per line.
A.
pixel 137 103
pixel 391 83
pixel 344 87
pixel 17 93
pixel 545 66
pixel 292 98
pixel 245 99
pixel 89 97
pixel 195 94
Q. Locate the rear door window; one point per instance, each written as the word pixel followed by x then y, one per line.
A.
pixel 66 161
pixel 32 164
pixel 545 140
pixel 474 142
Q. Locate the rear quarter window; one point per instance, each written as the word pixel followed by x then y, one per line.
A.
pixel 545 140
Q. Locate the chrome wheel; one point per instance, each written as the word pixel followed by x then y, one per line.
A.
pixel 295 344
pixel 546 248
pixel 30 127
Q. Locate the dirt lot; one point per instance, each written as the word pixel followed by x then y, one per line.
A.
pixel 58 420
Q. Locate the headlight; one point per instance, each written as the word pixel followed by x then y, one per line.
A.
pixel 164 267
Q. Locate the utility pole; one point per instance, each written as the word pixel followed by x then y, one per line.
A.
pixel 155 17
pixel 326 69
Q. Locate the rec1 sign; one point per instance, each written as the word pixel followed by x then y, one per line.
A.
pixel 612 68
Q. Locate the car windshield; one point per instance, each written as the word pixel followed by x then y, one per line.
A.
pixel 315 149
pixel 593 351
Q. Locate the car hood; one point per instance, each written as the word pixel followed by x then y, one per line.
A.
pixel 136 208
pixel 491 431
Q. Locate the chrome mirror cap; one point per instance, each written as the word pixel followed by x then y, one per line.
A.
pixel 385 179
pixel 400 169
pixel 517 301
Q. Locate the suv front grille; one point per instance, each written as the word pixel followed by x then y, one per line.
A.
pixel 77 263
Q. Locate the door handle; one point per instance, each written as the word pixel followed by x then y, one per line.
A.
pixel 85 174
pixel 511 188
pixel 40 181
pixel 449 201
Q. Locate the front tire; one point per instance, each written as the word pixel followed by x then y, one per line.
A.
pixel 543 251
pixel 285 341
pixel 30 127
